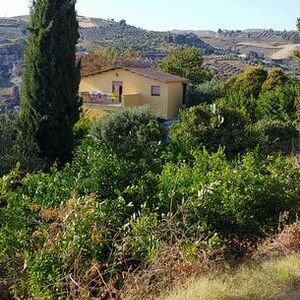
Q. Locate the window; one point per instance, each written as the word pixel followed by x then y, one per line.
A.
pixel 155 90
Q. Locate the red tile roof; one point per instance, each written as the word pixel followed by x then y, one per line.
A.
pixel 147 72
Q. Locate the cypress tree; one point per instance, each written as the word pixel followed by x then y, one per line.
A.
pixel 50 105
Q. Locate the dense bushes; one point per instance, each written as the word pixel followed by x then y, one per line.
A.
pixel 273 115
pixel 8 133
pixel 206 92
pixel 110 214
pixel 249 83
pixel 127 126
pixel 239 197
pixel 276 78
pixel 13 150
pixel 275 136
pixel 212 127
pixel 280 103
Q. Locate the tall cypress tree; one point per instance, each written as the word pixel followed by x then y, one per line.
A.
pixel 50 105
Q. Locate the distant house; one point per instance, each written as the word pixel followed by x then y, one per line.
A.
pixel 107 90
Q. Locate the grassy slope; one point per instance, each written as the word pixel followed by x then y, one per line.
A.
pixel 270 280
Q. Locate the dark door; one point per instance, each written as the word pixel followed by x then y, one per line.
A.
pixel 117 89
pixel 120 92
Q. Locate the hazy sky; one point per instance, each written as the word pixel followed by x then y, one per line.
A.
pixel 183 14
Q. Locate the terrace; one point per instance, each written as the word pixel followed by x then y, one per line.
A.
pixel 95 98
pixel 99 99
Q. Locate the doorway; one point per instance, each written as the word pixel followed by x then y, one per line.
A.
pixel 117 89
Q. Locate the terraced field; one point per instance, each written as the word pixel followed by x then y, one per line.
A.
pixel 224 68
pixel 110 33
pixel 265 42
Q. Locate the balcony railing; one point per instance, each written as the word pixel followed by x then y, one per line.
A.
pixel 100 98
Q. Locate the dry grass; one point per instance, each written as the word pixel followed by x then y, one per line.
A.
pixel 267 281
pixel 285 243
pixel 170 268
pixel 274 270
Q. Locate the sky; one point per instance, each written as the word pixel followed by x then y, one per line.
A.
pixel 183 14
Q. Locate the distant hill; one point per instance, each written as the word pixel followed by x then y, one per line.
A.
pixel 226 52
pixel 99 32
pixel 267 42
pixel 95 32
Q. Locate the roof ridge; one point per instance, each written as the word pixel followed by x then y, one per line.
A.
pixel 147 72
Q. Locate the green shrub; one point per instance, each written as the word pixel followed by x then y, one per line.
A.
pixel 75 215
pixel 275 136
pixel 8 136
pixel 242 197
pixel 82 129
pixel 135 132
pixel 279 103
pixel 206 92
pixel 13 150
pixel 276 78
pixel 237 100
pixel 249 82
pixel 212 127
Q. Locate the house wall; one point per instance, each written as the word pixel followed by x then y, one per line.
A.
pixel 131 100
pixel 137 84
pixel 96 111
pixel 175 97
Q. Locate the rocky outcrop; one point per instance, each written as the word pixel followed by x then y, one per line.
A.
pixel 10 72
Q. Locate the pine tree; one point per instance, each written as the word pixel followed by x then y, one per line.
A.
pixel 50 105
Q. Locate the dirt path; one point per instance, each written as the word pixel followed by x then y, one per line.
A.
pixel 285 51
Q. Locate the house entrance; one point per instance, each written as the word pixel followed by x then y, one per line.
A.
pixel 117 90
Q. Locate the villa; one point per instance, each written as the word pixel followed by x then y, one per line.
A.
pixel 105 91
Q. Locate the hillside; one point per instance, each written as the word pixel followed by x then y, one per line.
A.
pixel 268 43
pixel 98 32
pixel 226 53
pixel 95 32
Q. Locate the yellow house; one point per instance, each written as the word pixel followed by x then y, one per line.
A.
pixel 107 90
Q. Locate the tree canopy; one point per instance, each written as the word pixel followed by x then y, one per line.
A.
pixel 249 82
pixel 186 62
pixel 103 58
